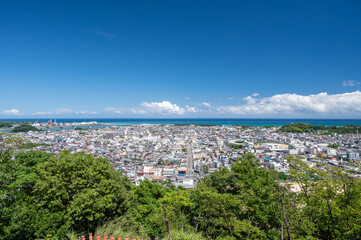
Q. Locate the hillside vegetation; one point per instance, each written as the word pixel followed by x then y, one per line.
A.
pixel 43 196
pixel 24 128
pixel 309 128
pixel 5 124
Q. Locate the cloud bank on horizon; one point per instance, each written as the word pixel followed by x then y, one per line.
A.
pixel 286 105
pixel 347 104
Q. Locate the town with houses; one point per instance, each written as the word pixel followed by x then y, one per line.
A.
pixel 183 154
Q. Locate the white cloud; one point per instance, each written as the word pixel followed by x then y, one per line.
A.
pixel 164 107
pixel 250 100
pixel 322 103
pixel 230 98
pixel 191 109
pixel 11 112
pixel 107 35
pixel 350 83
pixel 110 109
pixel 138 111
pixel 206 104
pixel 63 110
pixel 115 110
pixel 42 113
pixel 85 112
pixel 187 98
pixel 255 94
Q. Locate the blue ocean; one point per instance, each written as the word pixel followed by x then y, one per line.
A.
pixel 206 121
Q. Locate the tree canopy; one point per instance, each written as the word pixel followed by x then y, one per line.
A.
pixel 310 128
pixel 5 124
pixel 24 128
pixel 42 195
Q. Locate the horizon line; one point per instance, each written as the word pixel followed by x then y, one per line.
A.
pixel 171 118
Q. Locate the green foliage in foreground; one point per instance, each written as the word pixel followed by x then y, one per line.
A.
pixel 43 195
pixel 24 128
pixel 63 197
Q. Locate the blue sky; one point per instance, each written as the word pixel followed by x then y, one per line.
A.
pixel 180 59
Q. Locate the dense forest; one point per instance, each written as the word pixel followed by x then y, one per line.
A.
pixel 60 197
pixel 309 128
pixel 24 128
pixel 5 124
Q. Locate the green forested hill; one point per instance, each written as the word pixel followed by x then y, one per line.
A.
pixel 24 128
pixel 309 128
pixel 5 124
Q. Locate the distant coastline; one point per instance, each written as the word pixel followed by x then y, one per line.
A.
pixel 199 121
